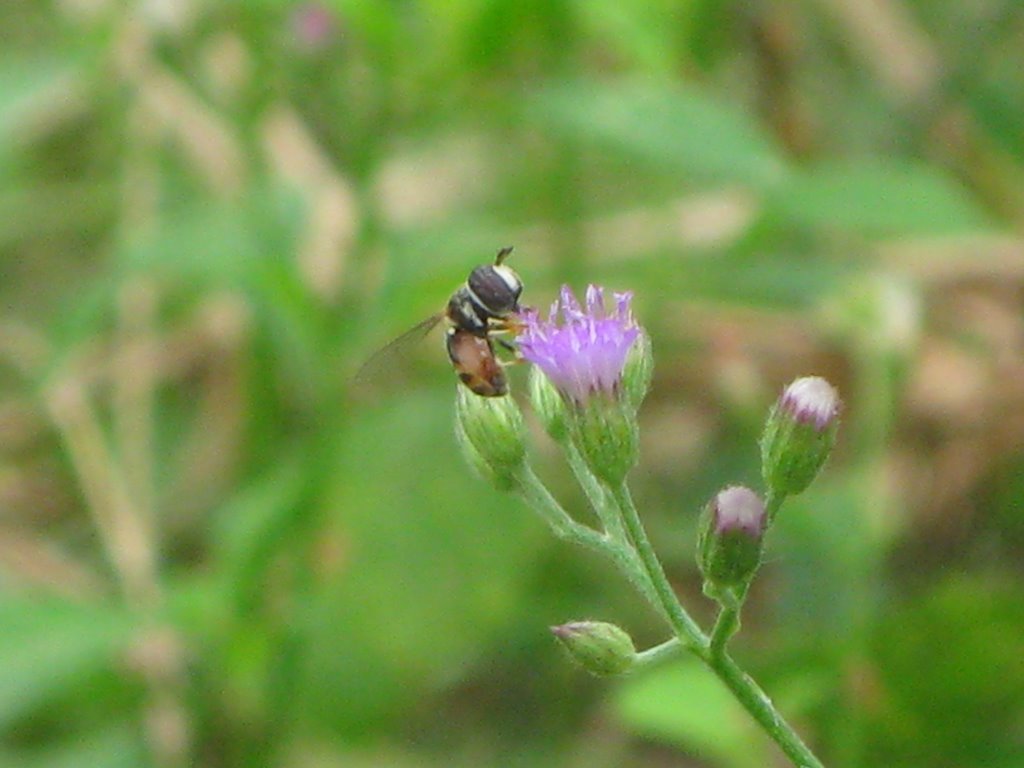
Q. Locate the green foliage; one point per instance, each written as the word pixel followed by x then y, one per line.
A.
pixel 211 214
pixel 685 705
pixel 873 198
pixel 971 697
pixel 673 130
pixel 50 647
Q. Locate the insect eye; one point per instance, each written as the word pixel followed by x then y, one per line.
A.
pixel 497 291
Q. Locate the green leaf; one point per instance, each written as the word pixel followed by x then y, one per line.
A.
pixel 687 706
pixel 48 646
pixel 28 86
pixel 878 198
pixel 674 129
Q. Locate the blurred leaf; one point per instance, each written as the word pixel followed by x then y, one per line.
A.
pixel 707 31
pixel 251 527
pixel 28 211
pixel 29 85
pixel 951 681
pixel 48 646
pixel 638 31
pixel 434 563
pixel 115 747
pixel 246 246
pixel 829 551
pixel 873 197
pixel 201 242
pixel 750 278
pixel 674 129
pixel 687 706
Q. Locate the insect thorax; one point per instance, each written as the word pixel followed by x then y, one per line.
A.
pixel 465 312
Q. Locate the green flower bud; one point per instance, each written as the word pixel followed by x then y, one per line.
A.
pixel 606 433
pixel 493 427
pixel 799 435
pixel 549 405
pixel 600 648
pixel 731 538
pixel 638 370
pixel 502 480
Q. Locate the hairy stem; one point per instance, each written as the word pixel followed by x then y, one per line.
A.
pixel 537 496
pixel 685 627
pixel 743 687
pixel 728 622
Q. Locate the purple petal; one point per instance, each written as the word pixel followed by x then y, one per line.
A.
pixel 584 354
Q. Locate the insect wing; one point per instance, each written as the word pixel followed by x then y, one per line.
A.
pixel 378 363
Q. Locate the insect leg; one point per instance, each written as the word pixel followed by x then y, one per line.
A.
pixel 508 346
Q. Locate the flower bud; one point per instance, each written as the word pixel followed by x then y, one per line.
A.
pixel 638 370
pixel 731 538
pixel 503 481
pixel 606 433
pixel 549 405
pixel 600 648
pixel 799 434
pixel 493 428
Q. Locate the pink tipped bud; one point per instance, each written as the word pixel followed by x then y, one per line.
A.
pixel 600 648
pixel 799 434
pixel 811 400
pixel 738 509
pixel 732 532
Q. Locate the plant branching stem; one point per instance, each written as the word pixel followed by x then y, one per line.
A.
pixel 747 692
pixel 537 496
pixel 727 623
pixel 661 652
pixel 627 544
pixel 606 511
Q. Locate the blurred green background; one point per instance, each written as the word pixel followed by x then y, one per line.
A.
pixel 213 551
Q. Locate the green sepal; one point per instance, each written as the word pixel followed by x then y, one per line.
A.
pixel 606 433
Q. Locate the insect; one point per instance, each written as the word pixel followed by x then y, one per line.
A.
pixel 484 305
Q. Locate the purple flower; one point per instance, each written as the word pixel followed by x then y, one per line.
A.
pixel 585 353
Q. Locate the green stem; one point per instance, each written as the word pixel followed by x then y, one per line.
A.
pixel 659 653
pixel 596 494
pixel 537 496
pixel 743 687
pixel 561 522
pixel 757 703
pixel 728 621
pixel 686 628
pixel 608 513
